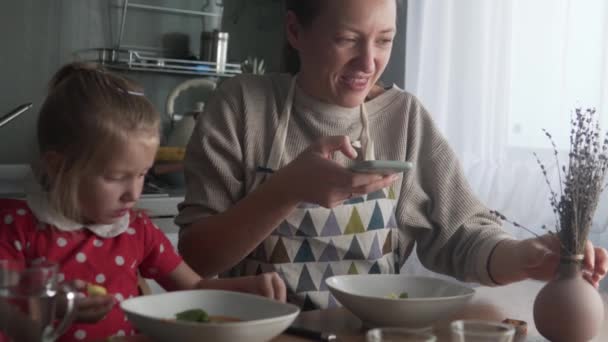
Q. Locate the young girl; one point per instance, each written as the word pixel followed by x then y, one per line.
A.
pixel 98 136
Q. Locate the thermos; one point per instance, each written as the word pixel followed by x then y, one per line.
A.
pixel 214 48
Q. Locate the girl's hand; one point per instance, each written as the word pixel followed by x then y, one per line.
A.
pixel 314 177
pixel 269 285
pixel 91 307
pixel 539 258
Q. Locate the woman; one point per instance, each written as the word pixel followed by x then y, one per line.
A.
pixel 269 186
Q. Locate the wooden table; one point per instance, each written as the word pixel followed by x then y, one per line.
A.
pixel 490 303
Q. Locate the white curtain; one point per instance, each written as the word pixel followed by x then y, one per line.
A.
pixel 493 74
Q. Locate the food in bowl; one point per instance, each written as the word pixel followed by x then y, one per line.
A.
pixel 402 295
pixel 192 315
pixel 201 316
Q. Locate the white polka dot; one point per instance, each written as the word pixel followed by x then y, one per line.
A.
pixel 155 226
pixel 119 297
pixel 61 242
pixel 131 231
pixel 81 257
pixel 18 246
pixel 162 248
pixel 80 334
pixel 119 260
pixel 97 243
pixel 134 264
pixel 21 212
pixel 120 333
pixel 152 270
pixel 8 219
pixel 100 278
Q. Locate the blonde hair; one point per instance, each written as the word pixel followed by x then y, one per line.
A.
pixel 87 112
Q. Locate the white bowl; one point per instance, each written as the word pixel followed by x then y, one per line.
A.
pixel 262 318
pixel 430 299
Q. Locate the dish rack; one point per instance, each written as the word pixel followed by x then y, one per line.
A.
pixel 150 61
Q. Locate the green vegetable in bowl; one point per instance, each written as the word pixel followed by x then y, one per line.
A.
pixel 402 295
pixel 193 315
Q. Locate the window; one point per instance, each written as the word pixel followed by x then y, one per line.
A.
pixel 558 62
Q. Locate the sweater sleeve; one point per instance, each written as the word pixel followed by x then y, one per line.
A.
pixel 455 233
pixel 232 136
pixel 213 163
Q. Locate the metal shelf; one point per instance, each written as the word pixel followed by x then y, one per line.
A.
pixel 152 62
pixel 128 59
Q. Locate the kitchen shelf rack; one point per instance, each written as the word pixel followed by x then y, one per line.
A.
pixel 122 58
pixel 152 62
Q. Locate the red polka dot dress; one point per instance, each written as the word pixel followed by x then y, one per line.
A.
pixel 110 262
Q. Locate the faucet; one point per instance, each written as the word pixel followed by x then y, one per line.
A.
pixel 14 113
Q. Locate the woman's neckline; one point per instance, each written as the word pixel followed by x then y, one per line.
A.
pixel 380 99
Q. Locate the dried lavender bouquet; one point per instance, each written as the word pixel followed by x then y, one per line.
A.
pixel 580 184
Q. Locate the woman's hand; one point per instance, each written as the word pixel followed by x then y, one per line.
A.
pixel 314 177
pixel 538 258
pixel 269 285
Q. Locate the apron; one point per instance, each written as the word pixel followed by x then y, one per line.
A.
pixel 313 243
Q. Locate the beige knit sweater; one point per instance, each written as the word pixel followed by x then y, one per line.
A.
pixel 454 232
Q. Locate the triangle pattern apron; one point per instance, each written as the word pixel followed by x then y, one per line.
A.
pixel 359 236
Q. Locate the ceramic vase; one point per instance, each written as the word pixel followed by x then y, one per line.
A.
pixel 568 308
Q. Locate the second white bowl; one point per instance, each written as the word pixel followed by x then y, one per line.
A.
pixel 429 299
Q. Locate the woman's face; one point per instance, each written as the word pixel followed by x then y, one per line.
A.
pixel 345 49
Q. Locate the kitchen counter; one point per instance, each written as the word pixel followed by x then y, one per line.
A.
pixel 162 210
pixel 12 179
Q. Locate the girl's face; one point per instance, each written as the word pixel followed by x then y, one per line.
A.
pixel 345 49
pixel 108 193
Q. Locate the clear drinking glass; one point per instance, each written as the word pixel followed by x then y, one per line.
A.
pixel 481 331
pixel 28 302
pixel 399 335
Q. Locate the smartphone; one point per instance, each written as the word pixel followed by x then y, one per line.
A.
pixel 382 167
